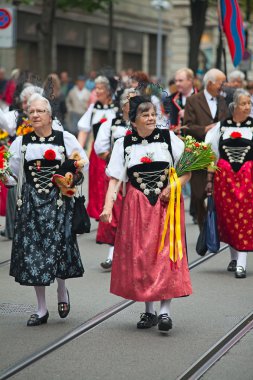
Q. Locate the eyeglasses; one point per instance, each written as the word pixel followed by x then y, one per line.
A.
pixel 146 116
pixel 39 112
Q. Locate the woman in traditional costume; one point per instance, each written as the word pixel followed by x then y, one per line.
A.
pixel 16 123
pixel 44 247
pixel 108 134
pixel 142 269
pixel 103 110
pixel 232 183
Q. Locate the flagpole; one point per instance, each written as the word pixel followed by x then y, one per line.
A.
pixel 223 49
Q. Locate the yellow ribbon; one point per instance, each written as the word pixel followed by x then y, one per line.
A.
pixel 173 215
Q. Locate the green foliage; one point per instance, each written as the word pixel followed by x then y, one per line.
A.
pixel 86 5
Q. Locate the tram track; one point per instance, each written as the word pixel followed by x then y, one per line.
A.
pixel 218 350
pixel 84 328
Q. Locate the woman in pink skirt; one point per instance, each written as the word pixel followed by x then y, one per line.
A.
pixel 232 184
pixel 139 272
pixel 103 110
pixel 108 134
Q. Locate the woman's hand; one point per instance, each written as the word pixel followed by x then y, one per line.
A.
pixel 165 194
pixel 209 188
pixel 106 215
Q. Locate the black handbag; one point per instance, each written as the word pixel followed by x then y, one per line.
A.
pixel 81 220
pixel 201 247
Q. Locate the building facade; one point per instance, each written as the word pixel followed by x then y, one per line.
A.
pixel 80 40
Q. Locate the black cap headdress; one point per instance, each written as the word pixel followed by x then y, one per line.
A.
pixel 134 103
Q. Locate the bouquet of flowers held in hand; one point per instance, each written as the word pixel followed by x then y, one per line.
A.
pixel 4 164
pixel 196 156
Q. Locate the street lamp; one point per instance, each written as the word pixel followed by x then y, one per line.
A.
pixel 159 5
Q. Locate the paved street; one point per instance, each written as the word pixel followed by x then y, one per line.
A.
pixel 115 349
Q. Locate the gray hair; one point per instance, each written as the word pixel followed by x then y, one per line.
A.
pixel 235 75
pixel 104 81
pixel 41 98
pixel 144 107
pixel 30 90
pixel 236 98
pixel 211 76
pixel 125 95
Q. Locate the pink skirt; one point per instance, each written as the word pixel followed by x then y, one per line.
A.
pixel 3 199
pixel 233 195
pixel 106 232
pixel 139 272
pixel 96 185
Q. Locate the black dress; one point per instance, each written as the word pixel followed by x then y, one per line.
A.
pixel 44 246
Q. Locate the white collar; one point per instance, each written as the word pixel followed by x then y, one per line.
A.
pixel 208 96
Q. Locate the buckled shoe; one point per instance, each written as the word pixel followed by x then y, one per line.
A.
pixel 35 320
pixel 240 272
pixel 147 320
pixel 164 322
pixel 232 266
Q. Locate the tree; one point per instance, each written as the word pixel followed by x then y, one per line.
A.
pixel 198 19
pixel 45 27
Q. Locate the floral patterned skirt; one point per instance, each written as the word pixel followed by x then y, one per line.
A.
pixel 233 195
pixel 43 245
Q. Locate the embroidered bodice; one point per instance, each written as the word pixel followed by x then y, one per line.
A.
pixel 236 142
pixel 150 174
pixel 39 171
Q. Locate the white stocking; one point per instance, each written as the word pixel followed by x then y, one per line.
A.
pixel 242 259
pixel 41 299
pixel 233 253
pixel 149 307
pixel 62 291
pixel 110 254
pixel 165 307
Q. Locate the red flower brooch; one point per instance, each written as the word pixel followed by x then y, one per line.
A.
pixel 103 120
pixel 235 135
pixel 147 159
pixel 128 132
pixel 50 154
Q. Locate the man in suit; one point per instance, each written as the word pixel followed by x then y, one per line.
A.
pixel 175 103
pixel 202 112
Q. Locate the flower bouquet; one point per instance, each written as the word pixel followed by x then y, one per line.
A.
pixel 4 164
pixel 25 127
pixel 196 156
pixel 4 139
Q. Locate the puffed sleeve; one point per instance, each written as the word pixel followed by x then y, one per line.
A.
pixel 102 142
pixel 72 145
pixel 117 166
pixel 8 121
pixel 15 159
pixel 84 124
pixel 177 146
pixel 213 137
pixel 57 126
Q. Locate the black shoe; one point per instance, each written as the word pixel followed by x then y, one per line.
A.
pixel 64 307
pixel 147 320
pixel 35 320
pixel 107 264
pixel 232 266
pixel 164 322
pixel 240 272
